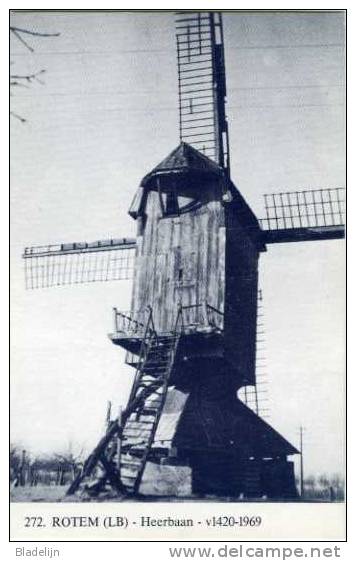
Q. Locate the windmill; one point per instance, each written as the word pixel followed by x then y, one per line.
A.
pixel 190 334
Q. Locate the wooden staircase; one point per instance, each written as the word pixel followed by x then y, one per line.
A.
pixel 123 452
pixel 141 423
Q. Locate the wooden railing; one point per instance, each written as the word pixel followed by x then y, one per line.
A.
pixel 202 315
pixel 189 318
pixel 130 323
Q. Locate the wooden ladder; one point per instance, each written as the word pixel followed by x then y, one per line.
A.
pixel 123 452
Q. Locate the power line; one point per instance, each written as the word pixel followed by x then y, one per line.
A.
pixel 306 46
pixel 291 87
pixel 167 52
pixel 101 53
pixel 153 92
pixel 171 110
pixel 301 105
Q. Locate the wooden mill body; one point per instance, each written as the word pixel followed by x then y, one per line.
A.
pixel 198 245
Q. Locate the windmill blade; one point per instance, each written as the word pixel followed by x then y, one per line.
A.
pixel 304 216
pixel 202 84
pixel 81 262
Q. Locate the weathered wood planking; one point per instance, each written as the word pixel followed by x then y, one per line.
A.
pixel 202 250
pixel 179 260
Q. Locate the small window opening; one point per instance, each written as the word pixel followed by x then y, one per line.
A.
pixel 172 203
pixel 168 200
pixel 180 274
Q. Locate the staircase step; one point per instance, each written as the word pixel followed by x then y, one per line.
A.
pixel 154 399
pixel 161 354
pixel 154 369
pixel 127 472
pixel 150 383
pixel 166 339
pixel 128 481
pixel 136 431
pixel 144 392
pixel 148 411
pixel 158 370
pixel 163 350
pixel 153 378
pixel 130 467
pixel 155 357
pixel 138 423
pixel 131 442
pixel 153 386
pixel 129 460
pixel 152 361
pixel 137 434
pixel 154 395
pixel 137 451
pixel 156 405
pixel 143 421
pixel 158 391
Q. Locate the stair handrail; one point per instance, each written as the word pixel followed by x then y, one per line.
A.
pixel 145 344
pixel 115 428
pixel 172 354
pixel 137 324
pixel 179 317
pixel 152 329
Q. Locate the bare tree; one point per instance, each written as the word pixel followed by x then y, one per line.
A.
pixel 25 80
pixel 19 465
pixel 15 460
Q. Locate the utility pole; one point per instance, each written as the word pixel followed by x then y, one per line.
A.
pixel 301 432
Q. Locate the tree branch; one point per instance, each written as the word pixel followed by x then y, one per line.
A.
pixel 19 30
pixel 27 77
pixel 15 83
pixel 21 39
pixel 16 116
pixel 16 79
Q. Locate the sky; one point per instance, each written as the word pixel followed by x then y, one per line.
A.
pixel 104 117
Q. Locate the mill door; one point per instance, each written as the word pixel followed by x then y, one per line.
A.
pixel 186 284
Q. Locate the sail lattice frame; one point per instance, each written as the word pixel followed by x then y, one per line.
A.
pixel 202 84
pixel 81 262
pixel 304 215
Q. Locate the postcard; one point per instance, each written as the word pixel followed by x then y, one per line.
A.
pixel 178 276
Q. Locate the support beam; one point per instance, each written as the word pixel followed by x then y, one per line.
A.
pixel 289 235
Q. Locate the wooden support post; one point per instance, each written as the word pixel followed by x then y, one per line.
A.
pixel 115 320
pixel 110 473
pixel 119 436
pixel 92 460
pixel 108 414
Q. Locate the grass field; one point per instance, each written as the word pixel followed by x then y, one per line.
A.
pixel 41 493
pixel 160 483
pixel 54 494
